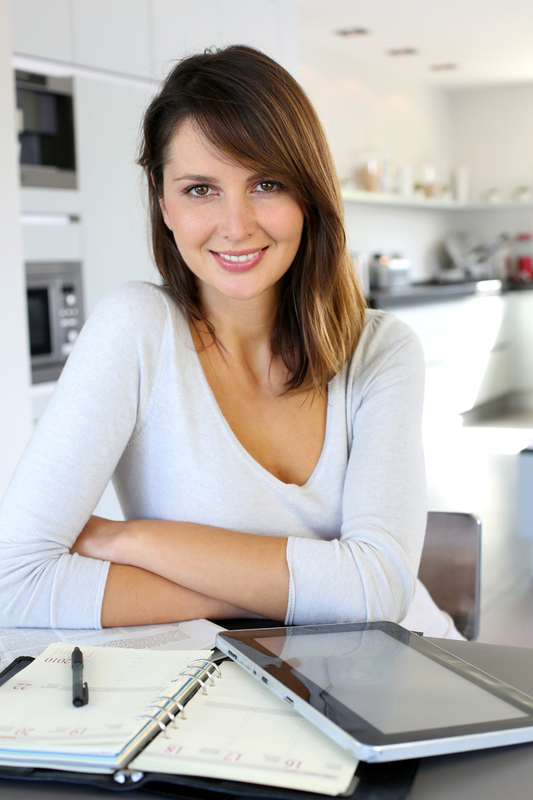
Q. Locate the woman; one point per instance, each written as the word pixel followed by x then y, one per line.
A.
pixel 261 426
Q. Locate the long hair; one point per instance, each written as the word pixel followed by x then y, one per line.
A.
pixel 252 110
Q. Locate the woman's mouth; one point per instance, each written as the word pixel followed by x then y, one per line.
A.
pixel 238 262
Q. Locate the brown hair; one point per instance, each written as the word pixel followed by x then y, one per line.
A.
pixel 251 109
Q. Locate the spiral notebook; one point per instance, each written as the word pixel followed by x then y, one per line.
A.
pixel 167 712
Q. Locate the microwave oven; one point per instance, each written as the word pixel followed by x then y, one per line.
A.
pixel 45 113
pixel 55 315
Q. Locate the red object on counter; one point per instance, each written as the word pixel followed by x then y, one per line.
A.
pixel 523 266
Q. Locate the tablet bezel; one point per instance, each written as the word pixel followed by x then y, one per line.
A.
pixel 354 732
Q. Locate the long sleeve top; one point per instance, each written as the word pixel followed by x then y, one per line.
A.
pixel 133 405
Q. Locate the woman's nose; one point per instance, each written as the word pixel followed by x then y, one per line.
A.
pixel 237 221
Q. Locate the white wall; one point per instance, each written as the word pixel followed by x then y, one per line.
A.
pixel 488 128
pixel 371 111
pixel 493 133
pixel 365 109
pixel 14 359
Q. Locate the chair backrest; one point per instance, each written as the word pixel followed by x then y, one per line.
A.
pixel 450 567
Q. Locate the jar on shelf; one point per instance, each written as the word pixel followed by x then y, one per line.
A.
pixel 523 258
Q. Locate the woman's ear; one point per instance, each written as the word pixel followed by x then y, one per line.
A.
pixel 164 213
pixel 161 204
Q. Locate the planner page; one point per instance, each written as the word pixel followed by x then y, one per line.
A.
pixel 241 731
pixel 39 719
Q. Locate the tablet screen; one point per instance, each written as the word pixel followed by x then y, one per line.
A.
pixel 391 685
pixel 382 691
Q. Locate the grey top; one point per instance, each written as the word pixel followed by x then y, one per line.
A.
pixel 133 403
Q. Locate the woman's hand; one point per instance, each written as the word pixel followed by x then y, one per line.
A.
pixel 101 538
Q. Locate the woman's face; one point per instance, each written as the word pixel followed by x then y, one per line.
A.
pixel 237 231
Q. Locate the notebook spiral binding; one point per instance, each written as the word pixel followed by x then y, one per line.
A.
pixel 171 707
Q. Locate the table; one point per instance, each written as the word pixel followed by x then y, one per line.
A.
pixel 486 774
pixel 483 775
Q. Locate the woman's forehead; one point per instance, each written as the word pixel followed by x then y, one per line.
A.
pixel 189 146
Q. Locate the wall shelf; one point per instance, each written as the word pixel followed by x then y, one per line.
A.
pixel 379 198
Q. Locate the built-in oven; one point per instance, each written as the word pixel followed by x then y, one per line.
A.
pixel 46 130
pixel 55 315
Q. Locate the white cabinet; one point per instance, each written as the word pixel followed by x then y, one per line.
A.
pixel 114 217
pixel 466 344
pixel 521 307
pixel 189 26
pixel 42 28
pixel 114 35
pixel 141 37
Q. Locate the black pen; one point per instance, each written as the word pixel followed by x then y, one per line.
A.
pixel 80 690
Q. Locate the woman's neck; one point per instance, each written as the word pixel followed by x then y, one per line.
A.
pixel 243 331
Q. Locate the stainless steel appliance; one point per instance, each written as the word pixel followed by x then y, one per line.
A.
pixel 46 130
pixel 55 315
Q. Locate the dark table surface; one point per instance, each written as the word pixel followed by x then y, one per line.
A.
pixel 505 772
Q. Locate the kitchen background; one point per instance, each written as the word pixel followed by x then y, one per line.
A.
pixel 430 104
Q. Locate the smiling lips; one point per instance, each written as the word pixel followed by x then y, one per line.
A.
pixel 239 262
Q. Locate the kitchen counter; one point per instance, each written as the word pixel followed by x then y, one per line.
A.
pixel 434 292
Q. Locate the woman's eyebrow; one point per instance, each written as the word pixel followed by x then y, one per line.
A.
pixel 194 177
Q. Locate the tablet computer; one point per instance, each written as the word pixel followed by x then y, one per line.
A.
pixel 383 692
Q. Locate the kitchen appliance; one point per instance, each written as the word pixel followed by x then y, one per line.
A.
pixel 55 315
pixel 389 272
pixel 46 130
pixel 465 258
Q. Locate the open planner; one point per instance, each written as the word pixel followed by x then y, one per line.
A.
pixel 164 712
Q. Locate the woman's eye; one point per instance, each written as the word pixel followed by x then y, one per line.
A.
pixel 269 186
pixel 198 191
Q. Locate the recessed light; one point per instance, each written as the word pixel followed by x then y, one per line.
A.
pixel 444 67
pixel 352 32
pixel 403 51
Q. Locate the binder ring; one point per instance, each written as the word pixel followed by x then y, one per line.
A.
pixel 211 664
pixel 185 674
pixel 181 709
pixel 169 714
pixel 208 675
pixel 154 719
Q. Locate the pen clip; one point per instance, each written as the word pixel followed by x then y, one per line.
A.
pixel 80 690
pixel 82 697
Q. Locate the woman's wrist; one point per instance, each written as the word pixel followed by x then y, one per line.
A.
pixel 126 542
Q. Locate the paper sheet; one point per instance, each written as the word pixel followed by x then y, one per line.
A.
pixel 196 634
pixel 241 731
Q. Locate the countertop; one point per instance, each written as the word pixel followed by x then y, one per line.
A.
pixel 434 292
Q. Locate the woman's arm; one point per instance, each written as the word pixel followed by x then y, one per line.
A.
pixel 213 570
pixel 367 573
pixel 101 399
pixel 134 596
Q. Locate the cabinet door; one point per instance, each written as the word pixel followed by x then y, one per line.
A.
pixel 183 27
pixel 112 35
pixel 466 344
pixel 115 231
pixel 521 310
pixel 42 28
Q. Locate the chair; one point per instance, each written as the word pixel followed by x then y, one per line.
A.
pixel 450 567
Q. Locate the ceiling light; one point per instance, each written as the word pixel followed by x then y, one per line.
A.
pixel 352 32
pixel 403 51
pixel 443 67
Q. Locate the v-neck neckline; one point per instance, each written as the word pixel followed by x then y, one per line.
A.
pixel 239 447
